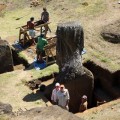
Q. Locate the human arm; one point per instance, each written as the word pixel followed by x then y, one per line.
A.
pixel 83 107
pixel 52 96
pixel 48 17
pixel 28 25
pixel 45 42
pixel 67 98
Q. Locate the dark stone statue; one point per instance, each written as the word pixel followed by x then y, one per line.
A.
pixel 77 79
pixel 70 43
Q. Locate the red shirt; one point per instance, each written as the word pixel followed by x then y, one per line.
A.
pixel 30 25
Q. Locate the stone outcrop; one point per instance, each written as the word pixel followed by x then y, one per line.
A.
pixel 39 113
pixel 5 108
pixel 47 113
pixel 6 61
pixel 111 32
pixel 77 79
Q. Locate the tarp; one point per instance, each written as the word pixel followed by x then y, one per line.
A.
pixel 39 66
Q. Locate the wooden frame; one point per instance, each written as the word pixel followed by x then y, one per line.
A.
pixel 23 31
pixel 48 51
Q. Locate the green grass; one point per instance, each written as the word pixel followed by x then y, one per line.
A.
pixel 9 23
pixel 45 72
pixel 5 76
pixel 21 55
pixel 93 8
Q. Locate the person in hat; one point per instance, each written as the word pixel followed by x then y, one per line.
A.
pixel 40 47
pixel 63 97
pixel 83 105
pixel 54 93
pixel 30 26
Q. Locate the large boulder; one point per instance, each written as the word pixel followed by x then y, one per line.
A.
pixel 47 113
pixel 77 79
pixel 6 61
pixel 5 108
pixel 111 32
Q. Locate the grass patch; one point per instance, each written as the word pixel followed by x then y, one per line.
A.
pixel 105 60
pixel 93 8
pixel 45 72
pixel 23 81
pixel 9 23
pixel 5 76
pixel 101 57
pixel 21 55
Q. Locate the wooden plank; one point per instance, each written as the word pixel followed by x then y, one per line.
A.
pixel 42 25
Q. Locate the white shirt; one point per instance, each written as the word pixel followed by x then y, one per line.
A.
pixel 54 95
pixel 63 97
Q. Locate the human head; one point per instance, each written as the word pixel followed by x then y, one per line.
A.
pixel 42 35
pixel 62 87
pixel 84 98
pixel 57 86
pixel 44 9
pixel 32 19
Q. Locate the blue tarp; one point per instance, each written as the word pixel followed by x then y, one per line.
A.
pixel 17 46
pixel 39 66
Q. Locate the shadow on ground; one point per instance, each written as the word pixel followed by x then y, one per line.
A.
pixel 34 97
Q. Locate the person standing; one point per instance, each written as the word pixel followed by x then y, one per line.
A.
pixel 54 94
pixel 45 15
pixel 40 47
pixel 83 105
pixel 63 97
pixel 45 19
pixel 30 26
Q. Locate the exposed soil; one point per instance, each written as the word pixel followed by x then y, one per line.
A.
pixel 2 7
pixel 108 111
pixel 106 84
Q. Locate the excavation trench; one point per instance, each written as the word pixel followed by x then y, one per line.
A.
pixel 19 62
pixel 106 85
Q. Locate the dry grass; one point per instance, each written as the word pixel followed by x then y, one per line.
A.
pixel 92 17
pixel 14 91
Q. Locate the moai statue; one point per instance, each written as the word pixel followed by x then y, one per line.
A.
pixel 77 79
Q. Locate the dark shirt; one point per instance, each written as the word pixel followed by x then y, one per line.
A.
pixel 30 25
pixel 45 16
